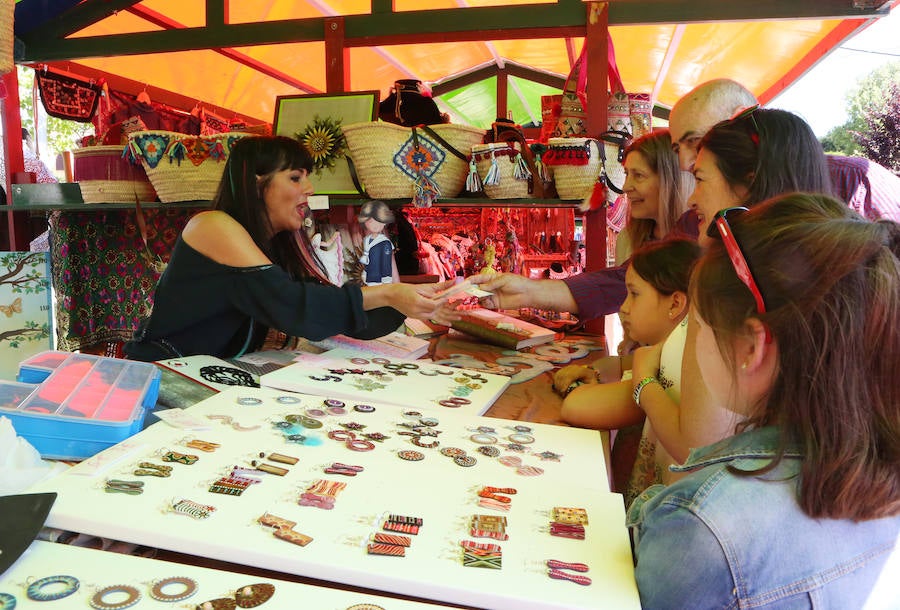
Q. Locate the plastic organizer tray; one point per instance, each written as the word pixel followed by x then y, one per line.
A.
pixel 70 406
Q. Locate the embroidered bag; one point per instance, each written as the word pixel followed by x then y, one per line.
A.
pixel 68 98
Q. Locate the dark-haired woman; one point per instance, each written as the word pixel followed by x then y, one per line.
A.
pixel 246 267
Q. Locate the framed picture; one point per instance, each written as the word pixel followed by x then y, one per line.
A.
pixel 315 120
pixel 26 316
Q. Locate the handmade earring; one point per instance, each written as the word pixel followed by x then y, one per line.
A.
pixel 157 591
pixel 100 602
pixel 250 596
pixel 44 589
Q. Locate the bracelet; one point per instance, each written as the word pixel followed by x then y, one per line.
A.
pixel 640 388
pixel 572 386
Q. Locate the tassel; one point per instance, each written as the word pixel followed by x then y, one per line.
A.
pixel 521 171
pixel 473 180
pixel 131 153
pixel 425 191
pixel 217 152
pixel 597 199
pixel 177 152
pixel 493 175
pixel 541 168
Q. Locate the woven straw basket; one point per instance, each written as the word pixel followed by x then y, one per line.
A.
pixel 105 176
pixel 574 179
pixel 7 10
pixel 382 153
pixel 505 154
pixel 183 167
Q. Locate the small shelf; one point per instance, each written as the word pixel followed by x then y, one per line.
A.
pixel 100 207
pixel 67 197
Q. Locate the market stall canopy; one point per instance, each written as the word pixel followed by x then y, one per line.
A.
pixel 241 55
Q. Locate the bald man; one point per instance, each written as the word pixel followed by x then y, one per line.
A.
pixel 870 189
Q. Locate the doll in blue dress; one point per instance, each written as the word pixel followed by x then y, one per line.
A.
pixel 378 251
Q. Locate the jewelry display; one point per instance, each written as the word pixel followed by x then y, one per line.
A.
pixel 52 588
pixel 101 599
pixel 158 590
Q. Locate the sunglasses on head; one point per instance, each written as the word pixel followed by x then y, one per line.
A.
pixel 719 227
pixel 752 125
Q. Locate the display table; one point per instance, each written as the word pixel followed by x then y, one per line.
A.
pixel 96 570
pixel 564 469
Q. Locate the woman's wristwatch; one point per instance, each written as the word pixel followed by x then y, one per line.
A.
pixel 643 383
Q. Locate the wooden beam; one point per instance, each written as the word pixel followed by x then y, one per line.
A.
pixel 502 94
pixel 464 79
pixel 166 23
pixel 488 70
pixel 337 57
pixel 639 12
pixel 360 31
pixel 537 76
pixel 16 224
pixel 77 18
pixel 596 41
pixel 562 19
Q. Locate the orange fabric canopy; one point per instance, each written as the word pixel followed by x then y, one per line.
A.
pixel 664 59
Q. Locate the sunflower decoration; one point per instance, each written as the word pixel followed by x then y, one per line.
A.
pixel 324 140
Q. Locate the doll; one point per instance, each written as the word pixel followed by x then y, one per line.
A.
pixel 328 250
pixel 378 251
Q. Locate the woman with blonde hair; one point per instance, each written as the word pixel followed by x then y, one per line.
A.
pixel 657 191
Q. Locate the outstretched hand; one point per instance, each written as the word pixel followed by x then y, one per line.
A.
pixel 511 291
pixel 416 300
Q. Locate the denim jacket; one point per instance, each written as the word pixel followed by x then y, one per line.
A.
pixel 717 540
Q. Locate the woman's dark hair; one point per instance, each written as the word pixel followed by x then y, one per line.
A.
pixel 666 265
pixel 831 285
pixel 249 169
pixel 769 152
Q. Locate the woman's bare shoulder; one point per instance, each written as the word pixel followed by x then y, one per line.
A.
pixel 220 237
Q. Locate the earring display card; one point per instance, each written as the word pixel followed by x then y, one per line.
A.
pixel 161 584
pixel 210 371
pixel 420 479
pixel 352 375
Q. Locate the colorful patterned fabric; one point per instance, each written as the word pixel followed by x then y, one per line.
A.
pixel 103 281
pixel 422 160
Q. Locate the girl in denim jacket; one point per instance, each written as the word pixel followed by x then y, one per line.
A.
pixel 798 308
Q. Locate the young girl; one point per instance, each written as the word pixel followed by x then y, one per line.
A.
pixel 654 312
pixel 797 304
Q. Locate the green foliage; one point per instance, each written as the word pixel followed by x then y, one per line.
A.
pixel 880 140
pixel 871 89
pixel 62 135
pixel 840 140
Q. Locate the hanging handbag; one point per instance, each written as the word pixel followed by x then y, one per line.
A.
pixel 68 98
pixel 626 112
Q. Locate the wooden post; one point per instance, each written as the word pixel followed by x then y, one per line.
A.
pixel 337 60
pixel 17 225
pixel 597 40
pixel 502 93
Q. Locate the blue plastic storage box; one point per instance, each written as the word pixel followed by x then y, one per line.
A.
pixel 71 406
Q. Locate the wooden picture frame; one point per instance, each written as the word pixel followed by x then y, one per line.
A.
pixel 302 116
